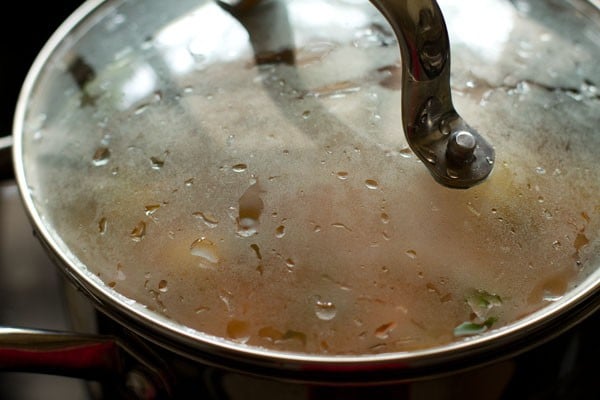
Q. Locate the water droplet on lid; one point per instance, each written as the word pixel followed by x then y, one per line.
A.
pixel 238 330
pixel 201 309
pixel 551 297
pixel 102 225
pixel 207 219
pixel 556 245
pixel 540 170
pixel 138 232
pixel 101 156
pixel 411 254
pixel 151 209
pixel 230 140
pixel 140 109
pixel 375 117
pixel 270 333
pixel 280 231
pixel 247 227
pixel 239 168
pixel 256 250
pixel 120 273
pixel 580 241
pixel 371 184
pixel 406 152
pixel 341 226
pixel 325 310
pixel 157 163
pixel 189 182
pixel 250 210
pixel 205 249
pixel 114 22
pixel 306 114
pixel 342 175
pixel 385 218
pixel 163 286
pixel 290 263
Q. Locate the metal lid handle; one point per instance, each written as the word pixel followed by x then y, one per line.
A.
pixel 456 154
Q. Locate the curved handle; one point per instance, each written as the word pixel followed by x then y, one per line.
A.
pixel 456 154
pixel 28 350
pixel 82 356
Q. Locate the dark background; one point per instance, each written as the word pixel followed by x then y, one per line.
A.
pixel 30 295
pixel 25 28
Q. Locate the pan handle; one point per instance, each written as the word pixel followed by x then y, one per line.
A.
pixel 90 357
pixel 6 161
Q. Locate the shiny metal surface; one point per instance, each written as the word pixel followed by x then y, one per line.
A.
pixel 182 339
pixel 431 123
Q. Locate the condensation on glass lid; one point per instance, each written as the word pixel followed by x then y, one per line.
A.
pixel 272 200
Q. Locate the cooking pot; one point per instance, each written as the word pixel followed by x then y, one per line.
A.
pixel 181 163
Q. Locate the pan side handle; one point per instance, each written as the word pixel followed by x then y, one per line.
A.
pixel 84 356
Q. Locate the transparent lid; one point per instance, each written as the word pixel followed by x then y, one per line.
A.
pixel 248 178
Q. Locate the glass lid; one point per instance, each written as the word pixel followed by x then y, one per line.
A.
pixel 244 177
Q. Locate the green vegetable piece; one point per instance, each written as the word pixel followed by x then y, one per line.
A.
pixel 481 302
pixel 473 328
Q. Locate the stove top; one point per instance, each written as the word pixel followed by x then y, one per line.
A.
pixel 31 297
